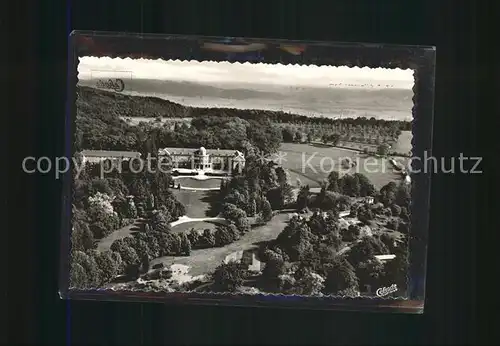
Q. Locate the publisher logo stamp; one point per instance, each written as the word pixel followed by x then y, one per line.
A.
pixel 385 291
pixel 116 81
pixel 116 84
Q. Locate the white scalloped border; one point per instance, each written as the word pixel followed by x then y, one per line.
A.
pixel 210 295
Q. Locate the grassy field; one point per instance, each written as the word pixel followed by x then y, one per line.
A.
pixel 312 163
pixel 105 243
pixel 204 261
pixel 206 184
pixel 403 145
pixel 197 203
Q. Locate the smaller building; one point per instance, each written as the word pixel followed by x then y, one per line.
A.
pixel 96 156
pixel 385 258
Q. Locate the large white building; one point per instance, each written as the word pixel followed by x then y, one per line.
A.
pixel 206 160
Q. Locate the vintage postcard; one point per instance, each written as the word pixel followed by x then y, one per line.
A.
pixel 243 176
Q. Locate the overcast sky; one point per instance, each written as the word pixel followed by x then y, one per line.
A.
pixel 224 72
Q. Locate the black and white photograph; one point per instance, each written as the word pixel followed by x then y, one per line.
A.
pixel 243 178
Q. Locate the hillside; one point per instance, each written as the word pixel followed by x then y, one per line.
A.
pixel 330 102
pixel 97 101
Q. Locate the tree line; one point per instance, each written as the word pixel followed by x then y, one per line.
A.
pixel 99 125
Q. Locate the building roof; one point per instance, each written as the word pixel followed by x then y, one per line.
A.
pixel 109 153
pixel 190 151
pixel 385 257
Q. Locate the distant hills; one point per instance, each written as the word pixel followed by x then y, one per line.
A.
pixel 387 103
pixel 92 101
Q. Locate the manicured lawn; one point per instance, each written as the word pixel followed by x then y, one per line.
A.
pixel 312 163
pixel 204 184
pixel 197 203
pixel 127 231
pixel 205 261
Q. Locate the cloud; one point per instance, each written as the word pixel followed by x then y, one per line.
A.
pixel 214 73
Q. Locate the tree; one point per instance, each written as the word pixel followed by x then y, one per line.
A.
pixel 388 193
pixel 370 273
pixel 396 270
pixel 82 238
pixel 325 139
pixel 303 197
pixel 308 282
pixel 298 136
pixel 287 195
pixel 102 215
pixel 365 250
pixel 267 211
pixel 288 134
pixel 403 195
pixel 194 237
pixel 78 276
pixel 109 263
pixel 228 277
pixel 366 188
pixel 242 224
pixel 395 210
pixel 141 248
pixel 335 139
pixel 185 245
pixel 127 253
pixel 333 181
pixel 275 266
pixel 159 222
pixel 89 264
pixel 383 149
pixel 405 216
pixel 350 185
pixel 231 212
pixel 393 224
pixel 309 137
pixel 223 236
pixel 403 228
pixel 388 241
pixel 296 239
pixel 351 234
pixel 365 215
pixel 207 239
pixel 252 207
pixel 151 240
pixel 341 277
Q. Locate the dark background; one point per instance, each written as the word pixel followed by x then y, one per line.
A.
pixel 37 71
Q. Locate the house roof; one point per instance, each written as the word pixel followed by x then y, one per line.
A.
pixel 109 153
pixel 385 257
pixel 190 151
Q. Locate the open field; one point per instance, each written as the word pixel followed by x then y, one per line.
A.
pixel 403 145
pixel 312 163
pixel 206 260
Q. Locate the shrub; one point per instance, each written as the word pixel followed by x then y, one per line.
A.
pixel 223 237
pixel 228 277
